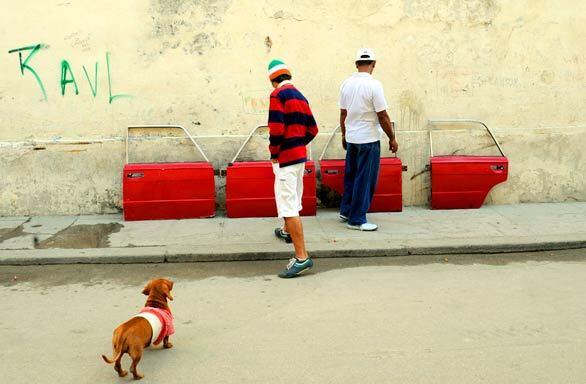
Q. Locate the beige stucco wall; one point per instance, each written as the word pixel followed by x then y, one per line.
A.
pixel 520 66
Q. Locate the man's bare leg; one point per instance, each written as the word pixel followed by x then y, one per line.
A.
pixel 294 227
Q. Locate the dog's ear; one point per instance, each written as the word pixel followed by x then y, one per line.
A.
pixel 166 287
pixel 147 289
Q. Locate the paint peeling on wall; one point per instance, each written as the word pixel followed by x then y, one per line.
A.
pixel 186 24
pixel 468 12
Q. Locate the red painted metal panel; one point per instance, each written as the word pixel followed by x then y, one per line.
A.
pixel 459 182
pixel 332 174
pixel 162 191
pixel 250 190
pixel 389 190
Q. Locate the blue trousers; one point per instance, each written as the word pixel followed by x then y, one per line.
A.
pixel 360 178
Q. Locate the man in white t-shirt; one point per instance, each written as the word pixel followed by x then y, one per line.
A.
pixel 363 119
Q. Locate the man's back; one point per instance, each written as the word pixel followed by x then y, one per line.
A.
pixel 292 125
pixel 362 97
pixel 295 106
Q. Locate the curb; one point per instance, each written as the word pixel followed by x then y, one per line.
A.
pixel 185 254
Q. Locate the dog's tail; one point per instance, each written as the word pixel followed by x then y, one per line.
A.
pixel 117 344
pixel 112 360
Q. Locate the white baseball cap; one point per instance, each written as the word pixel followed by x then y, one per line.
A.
pixel 365 54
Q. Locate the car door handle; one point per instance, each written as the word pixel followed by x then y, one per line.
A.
pixel 498 167
pixel 135 175
pixel 332 172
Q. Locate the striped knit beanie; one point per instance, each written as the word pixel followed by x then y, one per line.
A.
pixel 278 68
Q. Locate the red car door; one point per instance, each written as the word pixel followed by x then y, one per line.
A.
pixel 459 182
pixel 250 187
pixel 160 191
pixel 388 195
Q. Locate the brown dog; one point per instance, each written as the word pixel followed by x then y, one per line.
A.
pixel 153 324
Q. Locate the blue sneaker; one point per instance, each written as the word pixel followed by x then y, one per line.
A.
pixel 286 237
pixel 296 268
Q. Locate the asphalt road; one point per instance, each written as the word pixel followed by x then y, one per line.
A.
pixel 517 318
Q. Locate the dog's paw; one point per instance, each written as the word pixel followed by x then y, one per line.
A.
pixel 168 345
pixel 122 373
pixel 138 376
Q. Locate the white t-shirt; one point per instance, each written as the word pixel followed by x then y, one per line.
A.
pixel 362 96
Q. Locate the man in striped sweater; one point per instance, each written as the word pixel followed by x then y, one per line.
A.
pixel 291 128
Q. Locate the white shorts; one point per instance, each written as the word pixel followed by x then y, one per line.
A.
pixel 289 189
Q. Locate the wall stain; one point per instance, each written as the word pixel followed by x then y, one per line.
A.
pixel 185 24
pixel 412 111
pixel 282 15
pixel 75 150
pixel 547 76
pixel 469 12
pixel 200 43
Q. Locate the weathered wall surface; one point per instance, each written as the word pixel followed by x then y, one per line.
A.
pixel 85 70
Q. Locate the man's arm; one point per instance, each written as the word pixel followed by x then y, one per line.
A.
pixel 311 129
pixel 276 127
pixel 380 107
pixel 343 114
pixel 387 126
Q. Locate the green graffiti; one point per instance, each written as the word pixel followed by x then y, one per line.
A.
pixel 25 64
pixel 111 96
pixel 64 80
pixel 94 87
pixel 67 76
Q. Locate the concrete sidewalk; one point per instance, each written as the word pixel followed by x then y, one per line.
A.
pixel 415 231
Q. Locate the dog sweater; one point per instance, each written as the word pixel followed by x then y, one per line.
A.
pixel 161 322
